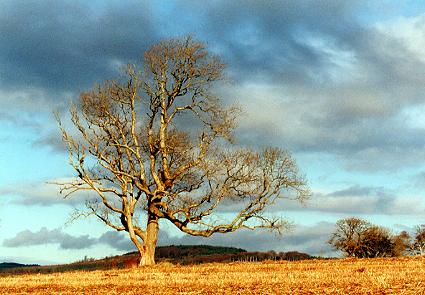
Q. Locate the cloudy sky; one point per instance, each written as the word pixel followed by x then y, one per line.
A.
pixel 340 84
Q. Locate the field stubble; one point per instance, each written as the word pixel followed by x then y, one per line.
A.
pixel 339 276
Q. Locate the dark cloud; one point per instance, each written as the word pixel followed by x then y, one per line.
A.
pixel 67 45
pixel 346 100
pixel 117 240
pixel 360 190
pixel 45 236
pixel 52 49
pixel 331 83
pixel 267 40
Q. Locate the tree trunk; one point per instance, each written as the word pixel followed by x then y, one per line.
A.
pixel 148 255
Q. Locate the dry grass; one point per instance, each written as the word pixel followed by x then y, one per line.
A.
pixel 345 276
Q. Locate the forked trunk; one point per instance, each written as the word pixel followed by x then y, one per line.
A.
pixel 148 255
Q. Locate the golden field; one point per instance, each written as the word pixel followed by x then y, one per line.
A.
pixel 338 276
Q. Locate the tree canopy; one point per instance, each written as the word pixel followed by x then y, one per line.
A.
pixel 359 238
pixel 158 144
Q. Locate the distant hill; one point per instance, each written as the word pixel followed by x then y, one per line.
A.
pixel 7 265
pixel 182 251
pixel 182 254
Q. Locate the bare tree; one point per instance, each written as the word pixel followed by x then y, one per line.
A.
pixel 402 244
pixel 376 242
pixel 359 238
pixel 348 236
pixel 418 245
pixel 157 144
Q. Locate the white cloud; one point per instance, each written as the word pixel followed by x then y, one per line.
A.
pixel 43 193
pixel 358 200
pixel 409 31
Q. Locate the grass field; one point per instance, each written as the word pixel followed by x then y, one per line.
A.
pixel 343 276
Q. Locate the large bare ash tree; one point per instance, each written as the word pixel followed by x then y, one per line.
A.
pixel 157 144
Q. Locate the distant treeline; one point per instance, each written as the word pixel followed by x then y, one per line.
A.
pixel 182 254
pixel 181 251
pixel 7 265
pixel 359 238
